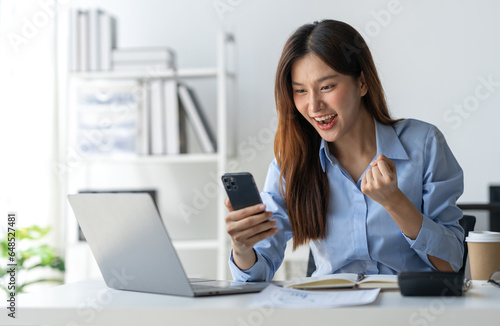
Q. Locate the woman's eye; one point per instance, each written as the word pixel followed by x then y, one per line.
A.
pixel 327 87
pixel 300 91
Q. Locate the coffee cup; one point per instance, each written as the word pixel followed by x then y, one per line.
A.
pixel 484 253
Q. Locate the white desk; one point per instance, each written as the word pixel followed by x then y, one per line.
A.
pixel 92 303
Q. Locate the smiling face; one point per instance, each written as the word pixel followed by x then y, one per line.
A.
pixel 330 101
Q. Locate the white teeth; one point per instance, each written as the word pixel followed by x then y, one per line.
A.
pixel 319 119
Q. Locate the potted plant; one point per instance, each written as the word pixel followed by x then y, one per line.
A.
pixel 35 258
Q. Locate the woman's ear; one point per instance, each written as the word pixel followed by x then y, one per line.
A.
pixel 363 85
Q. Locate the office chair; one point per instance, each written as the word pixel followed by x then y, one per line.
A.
pixel 467 222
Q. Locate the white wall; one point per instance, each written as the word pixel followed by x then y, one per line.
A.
pixel 27 114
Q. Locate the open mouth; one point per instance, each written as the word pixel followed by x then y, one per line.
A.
pixel 326 121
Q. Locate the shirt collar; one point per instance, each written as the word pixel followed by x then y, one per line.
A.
pixel 323 153
pixel 388 143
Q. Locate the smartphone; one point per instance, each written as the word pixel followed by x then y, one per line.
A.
pixel 241 189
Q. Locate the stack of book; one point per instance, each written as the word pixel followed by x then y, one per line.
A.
pixel 93 44
pixel 161 127
pixel 143 59
pixel 166 107
pixel 92 39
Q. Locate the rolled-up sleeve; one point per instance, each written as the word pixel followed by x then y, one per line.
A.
pixel 269 252
pixel 258 272
pixel 441 234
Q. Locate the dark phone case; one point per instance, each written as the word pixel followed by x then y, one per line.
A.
pixel 241 189
pixel 431 283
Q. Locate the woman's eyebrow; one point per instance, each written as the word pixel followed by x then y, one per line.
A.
pixel 322 79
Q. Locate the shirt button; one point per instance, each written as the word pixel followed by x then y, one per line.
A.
pixel 423 247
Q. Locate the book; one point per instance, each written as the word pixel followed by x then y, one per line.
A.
pixel 94 30
pixel 345 281
pixel 130 55
pixel 107 40
pixel 143 133
pixel 74 39
pixel 196 118
pixel 83 46
pixel 175 143
pixel 157 118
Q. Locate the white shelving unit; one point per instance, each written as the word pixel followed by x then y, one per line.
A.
pixel 78 255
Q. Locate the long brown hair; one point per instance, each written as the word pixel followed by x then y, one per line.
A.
pixel 303 183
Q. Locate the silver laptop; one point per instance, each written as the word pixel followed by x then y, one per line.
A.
pixel 133 249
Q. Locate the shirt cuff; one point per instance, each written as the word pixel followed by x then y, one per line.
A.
pixel 253 274
pixel 427 241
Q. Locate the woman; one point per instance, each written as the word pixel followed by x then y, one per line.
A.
pixel 368 193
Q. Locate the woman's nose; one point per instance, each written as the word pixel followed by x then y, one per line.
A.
pixel 314 102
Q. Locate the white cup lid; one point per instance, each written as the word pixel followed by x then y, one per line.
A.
pixel 483 236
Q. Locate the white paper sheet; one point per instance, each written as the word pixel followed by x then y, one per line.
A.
pixel 278 297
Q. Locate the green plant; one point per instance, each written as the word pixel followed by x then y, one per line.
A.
pixel 35 257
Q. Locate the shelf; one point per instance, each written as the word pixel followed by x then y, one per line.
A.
pixel 93 165
pixel 181 73
pixel 147 159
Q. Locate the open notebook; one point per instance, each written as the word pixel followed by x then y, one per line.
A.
pixel 345 281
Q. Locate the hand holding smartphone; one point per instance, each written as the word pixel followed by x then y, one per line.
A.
pixel 241 190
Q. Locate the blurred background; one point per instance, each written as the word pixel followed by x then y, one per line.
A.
pixel 438 61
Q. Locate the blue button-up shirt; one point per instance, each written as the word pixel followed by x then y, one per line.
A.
pixel 361 235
